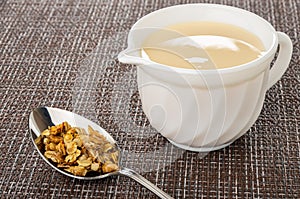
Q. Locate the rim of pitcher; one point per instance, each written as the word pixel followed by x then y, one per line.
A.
pixel 265 56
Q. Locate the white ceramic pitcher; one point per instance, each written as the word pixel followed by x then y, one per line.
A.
pixel 204 110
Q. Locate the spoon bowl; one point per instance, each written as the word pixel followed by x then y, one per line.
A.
pixel 43 117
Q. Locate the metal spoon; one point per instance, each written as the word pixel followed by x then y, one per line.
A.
pixel 43 117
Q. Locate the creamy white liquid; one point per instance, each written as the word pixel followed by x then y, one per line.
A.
pixel 224 46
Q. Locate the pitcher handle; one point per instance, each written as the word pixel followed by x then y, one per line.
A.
pixel 283 58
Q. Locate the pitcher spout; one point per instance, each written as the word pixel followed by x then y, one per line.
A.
pixel 132 56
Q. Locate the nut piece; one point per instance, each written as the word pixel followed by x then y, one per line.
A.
pixel 109 167
pixel 50 147
pixel 71 147
pixel 84 163
pixel 46 140
pixel 61 148
pixel 68 138
pixel 78 152
pixel 72 157
pixel 55 139
pixel 77 170
pixel 46 132
pixel 78 141
pixel 54 156
pixel 95 166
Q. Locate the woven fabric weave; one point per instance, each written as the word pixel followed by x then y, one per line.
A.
pixel 64 54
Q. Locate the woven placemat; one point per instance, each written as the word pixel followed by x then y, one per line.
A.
pixel 63 54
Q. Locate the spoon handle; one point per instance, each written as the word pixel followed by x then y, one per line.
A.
pixel 143 181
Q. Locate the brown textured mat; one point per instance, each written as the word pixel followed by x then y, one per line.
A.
pixel 63 54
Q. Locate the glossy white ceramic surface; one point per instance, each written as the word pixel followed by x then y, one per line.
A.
pixel 203 110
